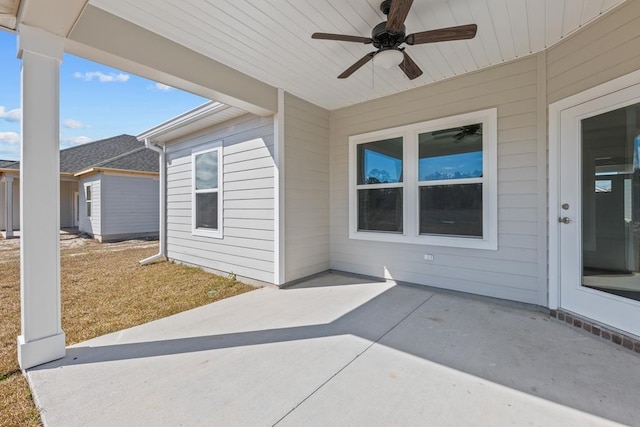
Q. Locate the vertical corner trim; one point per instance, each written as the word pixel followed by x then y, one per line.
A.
pixel 545 298
pixel 279 197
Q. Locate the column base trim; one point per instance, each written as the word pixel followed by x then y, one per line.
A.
pixel 40 351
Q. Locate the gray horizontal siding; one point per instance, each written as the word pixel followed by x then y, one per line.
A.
pixel 511 272
pixel 306 195
pixel 130 205
pixel 247 247
pixel 607 49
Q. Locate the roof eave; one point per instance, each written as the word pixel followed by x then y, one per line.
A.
pixel 190 117
pixel 118 171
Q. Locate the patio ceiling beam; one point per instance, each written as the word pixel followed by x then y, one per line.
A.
pixel 103 37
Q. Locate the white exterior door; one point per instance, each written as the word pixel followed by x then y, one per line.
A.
pixel 597 212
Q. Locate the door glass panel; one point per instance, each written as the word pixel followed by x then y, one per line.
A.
pixel 611 202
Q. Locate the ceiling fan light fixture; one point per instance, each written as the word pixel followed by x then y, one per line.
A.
pixel 388 58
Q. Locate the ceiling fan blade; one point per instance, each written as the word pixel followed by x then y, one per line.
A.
pixel 397 14
pixel 368 57
pixel 461 32
pixel 409 67
pixel 342 38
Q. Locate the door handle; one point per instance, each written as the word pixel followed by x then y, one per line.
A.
pixel 564 219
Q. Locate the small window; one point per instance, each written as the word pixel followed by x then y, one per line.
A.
pixel 88 199
pixel 207 183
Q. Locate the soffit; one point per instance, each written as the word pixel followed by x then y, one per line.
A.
pixel 270 40
pixel 8 13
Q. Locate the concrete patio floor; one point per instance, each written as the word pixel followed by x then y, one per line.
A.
pixel 339 350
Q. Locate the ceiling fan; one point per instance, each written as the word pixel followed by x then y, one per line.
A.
pixel 389 35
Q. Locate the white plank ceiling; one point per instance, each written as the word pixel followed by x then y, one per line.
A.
pixel 271 39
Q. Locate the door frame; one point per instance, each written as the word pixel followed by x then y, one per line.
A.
pixel 555 111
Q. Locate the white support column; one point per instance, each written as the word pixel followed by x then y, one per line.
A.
pixel 8 180
pixel 42 339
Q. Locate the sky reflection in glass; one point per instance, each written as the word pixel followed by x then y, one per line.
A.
pixel 380 162
pixel 454 166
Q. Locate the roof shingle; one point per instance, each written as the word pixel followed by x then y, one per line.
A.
pixel 9 164
pixel 120 152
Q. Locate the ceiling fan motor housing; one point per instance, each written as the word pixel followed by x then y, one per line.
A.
pixel 385 6
pixel 383 39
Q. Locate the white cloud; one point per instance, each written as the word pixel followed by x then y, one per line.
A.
pixel 9 146
pixel 74 124
pixel 102 77
pixel 11 115
pixel 160 86
pixel 73 141
pixel 9 138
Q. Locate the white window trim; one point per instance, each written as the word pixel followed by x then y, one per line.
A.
pixel 409 134
pixel 88 202
pixel 217 234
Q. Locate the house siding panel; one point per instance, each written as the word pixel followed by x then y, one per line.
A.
pixel 307 233
pixel 247 246
pixel 513 271
pixel 130 206
pixel 3 219
pixel 604 50
pixel 16 205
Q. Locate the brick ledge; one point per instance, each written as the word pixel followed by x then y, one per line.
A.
pixel 626 341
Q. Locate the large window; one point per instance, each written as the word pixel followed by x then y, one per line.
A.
pixel 207 191
pixel 429 183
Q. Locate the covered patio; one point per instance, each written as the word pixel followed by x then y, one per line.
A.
pixel 343 350
pixel 339 350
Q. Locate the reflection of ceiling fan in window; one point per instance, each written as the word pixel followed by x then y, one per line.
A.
pixel 459 133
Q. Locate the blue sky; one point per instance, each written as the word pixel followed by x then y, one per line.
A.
pixel 96 101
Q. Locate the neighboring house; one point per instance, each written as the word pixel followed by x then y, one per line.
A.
pixel 108 189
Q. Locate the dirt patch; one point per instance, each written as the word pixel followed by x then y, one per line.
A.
pixel 70 240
